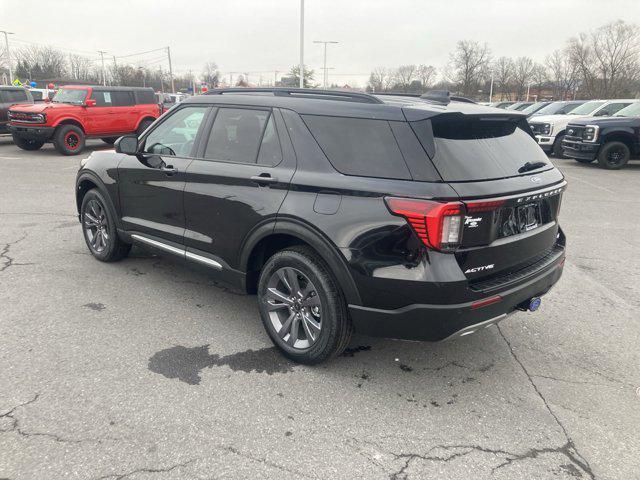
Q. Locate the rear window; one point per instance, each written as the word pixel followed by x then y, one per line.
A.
pixel 478 148
pixel 357 146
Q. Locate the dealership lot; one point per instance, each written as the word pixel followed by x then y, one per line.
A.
pixel 147 369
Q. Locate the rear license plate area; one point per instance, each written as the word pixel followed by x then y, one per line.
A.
pixel 528 217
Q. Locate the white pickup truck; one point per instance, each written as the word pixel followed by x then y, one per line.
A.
pixel 550 129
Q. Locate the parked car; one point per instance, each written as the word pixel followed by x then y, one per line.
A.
pixel 500 104
pixel 79 112
pixel 519 106
pixel 10 96
pixel 41 94
pixel 396 217
pixel 534 107
pixel 550 129
pixel 612 140
pixel 561 107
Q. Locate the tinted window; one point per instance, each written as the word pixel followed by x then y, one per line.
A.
pixel 587 108
pixel 270 151
pixel 480 149
pixel 236 135
pixel 146 97
pixel 122 99
pixel 357 146
pixel 14 96
pixel 176 135
pixel 103 99
pixel 37 96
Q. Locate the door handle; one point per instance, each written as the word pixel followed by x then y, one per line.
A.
pixel 263 179
pixel 169 170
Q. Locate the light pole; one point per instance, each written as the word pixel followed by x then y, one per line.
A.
pixel 491 88
pixel 6 43
pixel 301 66
pixel 104 73
pixel 325 78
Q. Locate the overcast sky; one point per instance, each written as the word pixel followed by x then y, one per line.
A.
pixel 260 36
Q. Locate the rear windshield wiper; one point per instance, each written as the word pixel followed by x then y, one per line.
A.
pixel 527 167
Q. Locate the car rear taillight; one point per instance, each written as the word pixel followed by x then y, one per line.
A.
pixel 437 224
pixel 488 206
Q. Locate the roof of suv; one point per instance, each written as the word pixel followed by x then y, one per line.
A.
pixel 345 103
pixel 101 88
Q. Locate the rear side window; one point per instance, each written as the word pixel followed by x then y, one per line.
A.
pixel 479 148
pixel 14 96
pixel 144 97
pixel 37 96
pixel 357 146
pixel 122 99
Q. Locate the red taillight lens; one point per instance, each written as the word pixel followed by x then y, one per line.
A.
pixel 475 207
pixel 439 225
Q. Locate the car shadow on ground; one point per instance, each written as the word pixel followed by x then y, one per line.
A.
pixel 49 150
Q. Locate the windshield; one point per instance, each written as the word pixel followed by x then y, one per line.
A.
pixel 632 110
pixel 587 108
pixel 70 95
pixel 531 108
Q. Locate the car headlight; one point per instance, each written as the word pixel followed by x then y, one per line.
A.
pixel 590 133
pixel 547 128
pixel 39 118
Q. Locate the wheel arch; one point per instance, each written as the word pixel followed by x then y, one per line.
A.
pixel 70 121
pixel 622 137
pixel 87 181
pixel 273 237
pixel 144 118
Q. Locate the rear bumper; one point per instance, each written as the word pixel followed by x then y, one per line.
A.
pixel 437 322
pixel 582 150
pixel 31 132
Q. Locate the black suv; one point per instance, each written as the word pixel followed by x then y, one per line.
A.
pixel 411 218
pixel 10 96
pixel 612 140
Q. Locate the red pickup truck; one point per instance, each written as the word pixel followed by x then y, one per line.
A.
pixel 79 112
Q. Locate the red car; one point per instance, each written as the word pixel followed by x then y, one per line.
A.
pixel 79 112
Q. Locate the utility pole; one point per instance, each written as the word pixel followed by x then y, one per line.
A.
pixel 275 77
pixel 104 72
pixel 301 66
pixel 491 88
pixel 161 80
pixel 325 77
pixel 6 43
pixel 173 86
pixel 116 78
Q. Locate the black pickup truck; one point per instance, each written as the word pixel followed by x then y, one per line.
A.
pixel 613 141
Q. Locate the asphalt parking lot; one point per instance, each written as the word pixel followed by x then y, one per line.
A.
pixel 145 369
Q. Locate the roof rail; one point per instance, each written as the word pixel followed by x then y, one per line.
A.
pixel 341 95
pixel 399 94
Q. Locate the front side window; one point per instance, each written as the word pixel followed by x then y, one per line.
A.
pixel 14 96
pixel 70 95
pixel 610 109
pixel 632 110
pixel 236 135
pixel 103 99
pixel 176 135
pixel 587 108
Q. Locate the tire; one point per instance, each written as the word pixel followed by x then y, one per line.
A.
pixel 584 160
pixel 614 155
pixel 318 292
pixel 557 147
pixel 144 124
pixel 99 229
pixel 109 140
pixel 69 140
pixel 27 144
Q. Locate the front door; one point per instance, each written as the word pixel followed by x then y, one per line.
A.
pixel 151 185
pixel 239 179
pixel 99 117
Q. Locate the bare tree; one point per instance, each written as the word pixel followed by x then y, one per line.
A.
pixel 404 76
pixel 211 74
pixel 617 57
pixel 563 73
pixel 82 68
pixel 469 66
pixel 380 80
pixel 503 71
pixel 40 63
pixel 427 75
pixel 522 76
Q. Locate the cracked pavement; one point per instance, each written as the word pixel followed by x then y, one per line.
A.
pixel 145 369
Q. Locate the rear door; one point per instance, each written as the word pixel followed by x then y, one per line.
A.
pixel 123 112
pixel 239 179
pixel 511 190
pixel 151 185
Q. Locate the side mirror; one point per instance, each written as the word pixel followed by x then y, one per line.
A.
pixel 90 102
pixel 127 144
